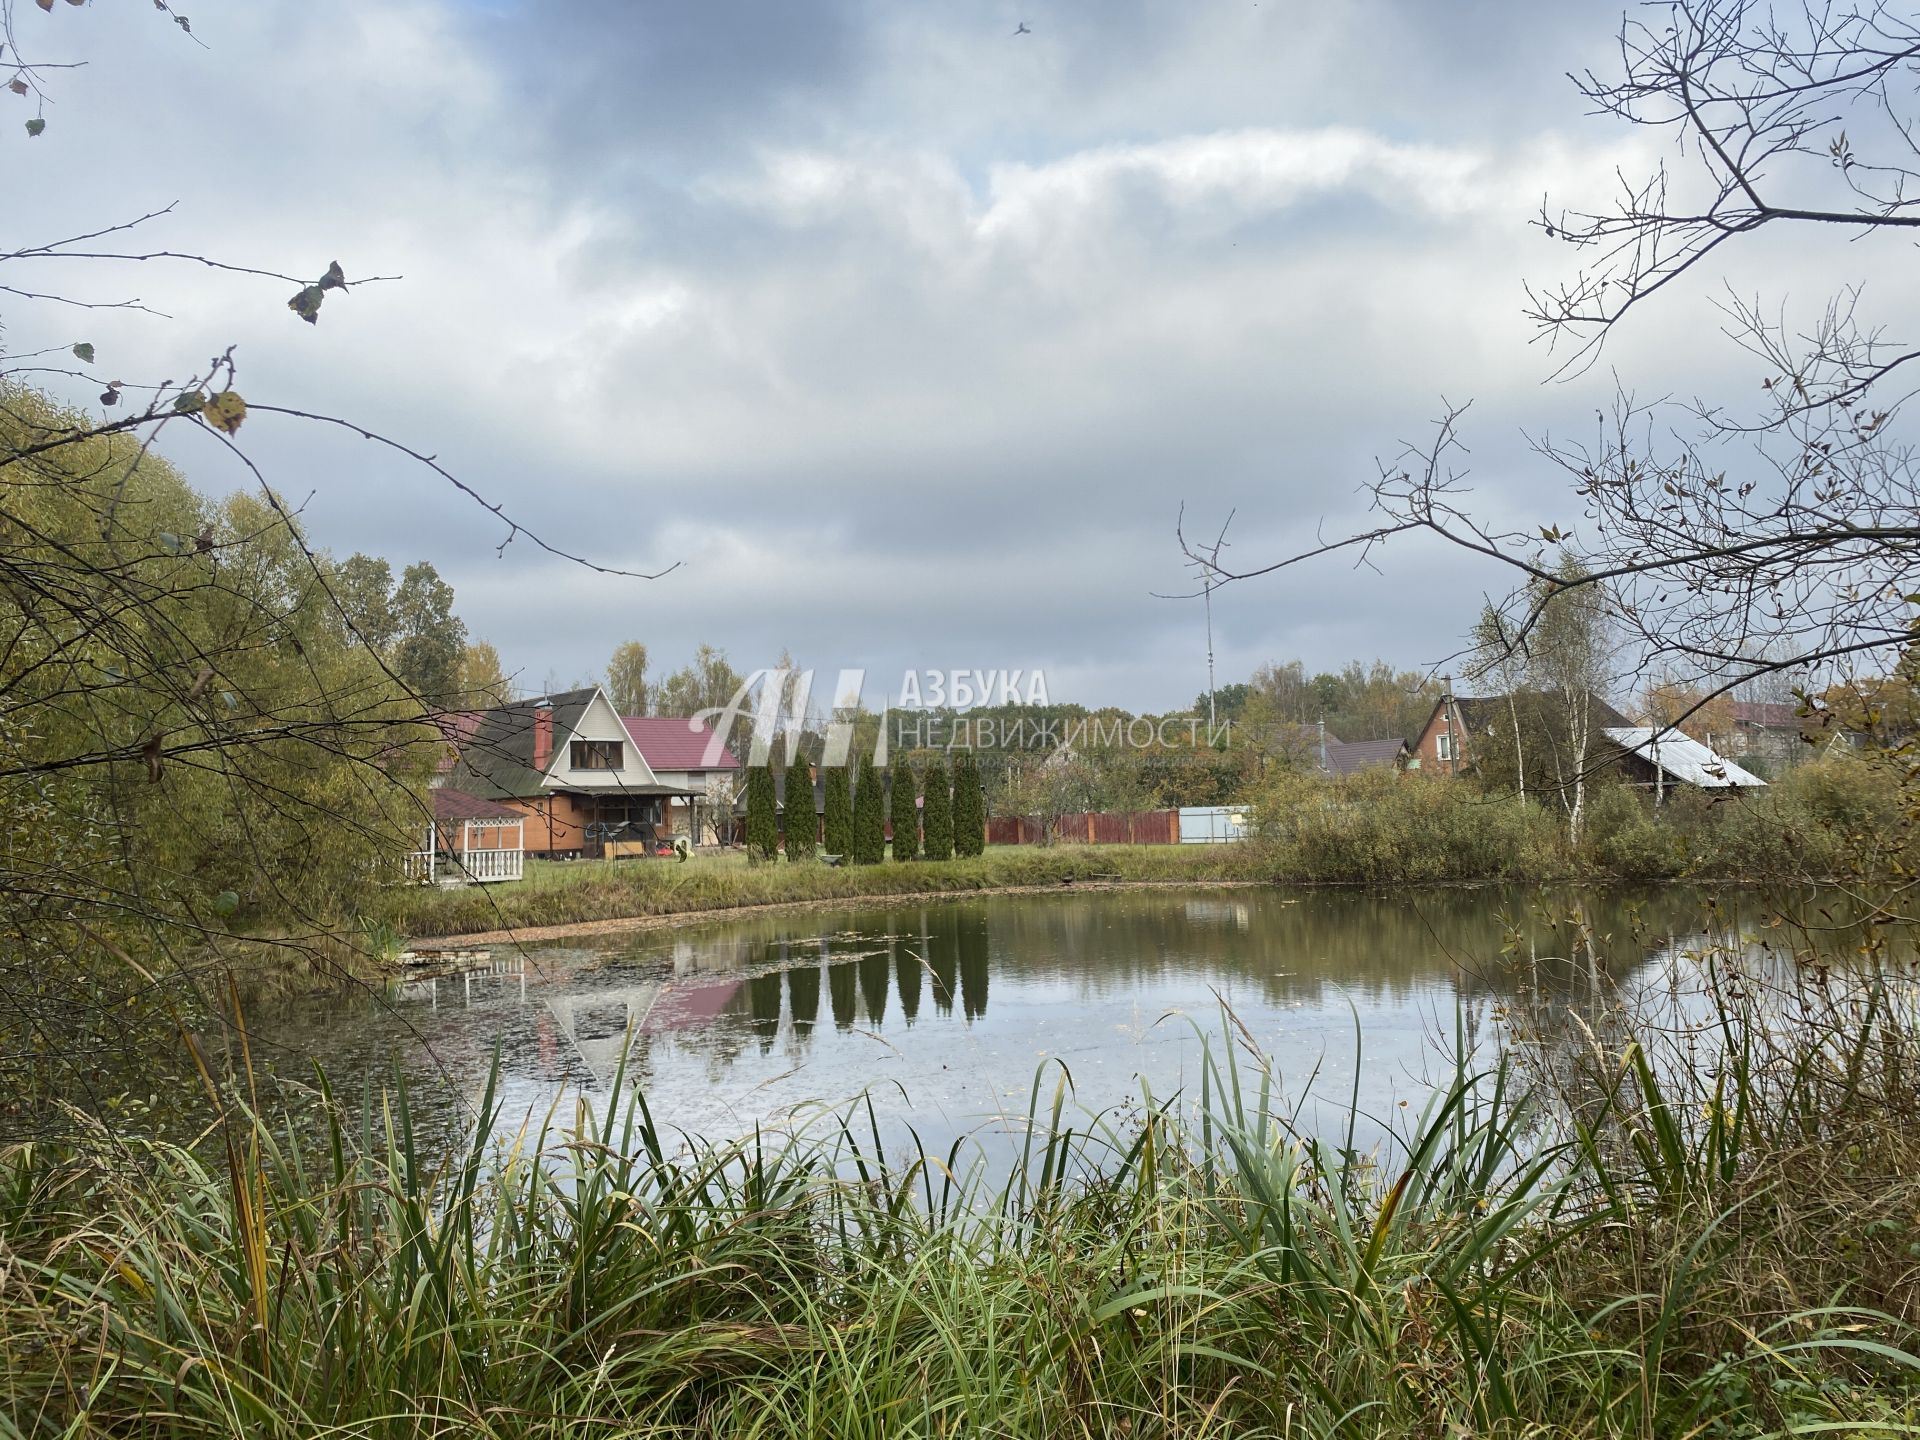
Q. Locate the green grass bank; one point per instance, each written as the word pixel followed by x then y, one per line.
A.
pixel 577 892
pixel 1837 818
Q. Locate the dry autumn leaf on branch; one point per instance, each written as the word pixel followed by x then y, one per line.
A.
pixel 224 411
pixel 307 304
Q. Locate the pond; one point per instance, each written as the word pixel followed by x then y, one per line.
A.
pixel 940 1015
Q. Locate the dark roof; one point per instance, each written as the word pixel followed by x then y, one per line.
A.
pixel 496 762
pixel 1345 757
pixel 669 743
pixel 1481 713
pixel 453 806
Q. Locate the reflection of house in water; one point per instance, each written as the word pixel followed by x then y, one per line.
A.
pixel 597 1022
pixel 1219 912
pixel 467 983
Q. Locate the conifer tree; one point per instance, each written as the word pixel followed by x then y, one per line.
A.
pixel 937 814
pixel 969 808
pixel 906 813
pixel 839 818
pixel 802 826
pixel 869 817
pixel 763 827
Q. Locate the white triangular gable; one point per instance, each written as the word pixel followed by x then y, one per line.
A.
pixel 599 721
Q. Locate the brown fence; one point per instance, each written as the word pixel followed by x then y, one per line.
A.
pixel 1134 827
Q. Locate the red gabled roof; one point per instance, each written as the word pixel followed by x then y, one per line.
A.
pixel 669 743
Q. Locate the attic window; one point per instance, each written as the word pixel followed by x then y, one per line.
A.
pixel 597 755
pixel 1443 746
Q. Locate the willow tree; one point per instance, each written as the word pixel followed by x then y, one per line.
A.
pixel 188 738
pixel 196 735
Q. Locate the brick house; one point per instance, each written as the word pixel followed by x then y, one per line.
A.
pixel 567 764
pixel 1446 743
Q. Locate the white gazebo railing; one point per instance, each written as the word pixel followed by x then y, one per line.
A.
pixel 468 863
pixel 478 867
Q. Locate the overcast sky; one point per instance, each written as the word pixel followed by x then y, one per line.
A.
pixel 903 335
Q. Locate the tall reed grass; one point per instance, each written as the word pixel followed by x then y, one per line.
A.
pixel 1596 1233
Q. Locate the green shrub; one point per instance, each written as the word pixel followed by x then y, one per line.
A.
pixel 801 826
pixel 1382 826
pixel 869 817
pixel 763 825
pixel 838 823
pixel 903 803
pixel 1840 816
pixel 1626 836
pixel 969 807
pixel 937 822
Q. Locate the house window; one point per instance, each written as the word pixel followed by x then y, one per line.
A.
pixel 597 755
pixel 1443 746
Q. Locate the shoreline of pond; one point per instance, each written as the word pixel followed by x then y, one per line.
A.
pixel 432 947
pixel 882 900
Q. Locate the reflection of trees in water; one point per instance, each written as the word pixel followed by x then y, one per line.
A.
pixel 906 972
pixel 1553 962
pixel 972 945
pixel 873 983
pixel 843 984
pixel 943 958
pixel 1569 970
pixel 803 998
pixel 763 1005
pixel 1300 947
pixel 1731 974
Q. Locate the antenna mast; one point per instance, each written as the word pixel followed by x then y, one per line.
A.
pixel 1207 562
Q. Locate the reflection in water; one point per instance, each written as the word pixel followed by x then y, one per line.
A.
pixel 906 970
pixel 763 998
pixel 874 971
pixel 972 942
pixel 720 1022
pixel 842 982
pixel 803 994
pixel 941 957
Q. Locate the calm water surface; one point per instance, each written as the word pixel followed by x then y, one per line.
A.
pixel 941 1013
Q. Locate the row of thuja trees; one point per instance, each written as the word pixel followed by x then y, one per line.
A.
pixel 953 817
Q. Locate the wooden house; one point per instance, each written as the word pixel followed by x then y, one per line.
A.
pixel 568 766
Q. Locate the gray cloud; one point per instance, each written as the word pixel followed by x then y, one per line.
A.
pixel 909 338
